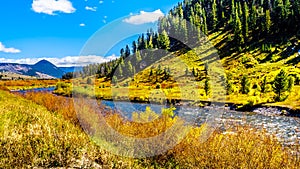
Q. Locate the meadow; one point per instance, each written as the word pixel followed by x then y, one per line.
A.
pixel 28 83
pixel 246 56
pixel 43 131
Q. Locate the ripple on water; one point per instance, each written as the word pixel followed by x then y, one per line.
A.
pixel 286 129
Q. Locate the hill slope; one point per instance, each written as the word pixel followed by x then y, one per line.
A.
pixel 254 41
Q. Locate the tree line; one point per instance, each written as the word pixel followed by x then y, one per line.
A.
pixel 247 21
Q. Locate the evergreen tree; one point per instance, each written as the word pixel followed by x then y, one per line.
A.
pixel 129 68
pixel 291 83
pixel 232 15
pixel 268 21
pixel 240 10
pixel 246 19
pixel 127 51
pixel 183 30
pixel 121 61
pixel 198 13
pixel 207 87
pixel 151 72
pixel 287 9
pixel 138 56
pixel 122 52
pixel 214 14
pixel 134 47
pixel 238 33
pixel 193 72
pixel 264 85
pixel 164 41
pixel 120 71
pixel 150 43
pixel 204 30
pixel 279 9
pixel 155 42
pixel 253 18
pixel 180 10
pixel 141 43
pixel 280 84
pixel 245 84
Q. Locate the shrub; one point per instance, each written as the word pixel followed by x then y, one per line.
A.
pixel 89 81
pixel 253 100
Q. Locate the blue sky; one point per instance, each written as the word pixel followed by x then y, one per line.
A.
pixel 57 30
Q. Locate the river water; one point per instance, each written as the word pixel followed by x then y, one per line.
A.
pixel 42 89
pixel 286 129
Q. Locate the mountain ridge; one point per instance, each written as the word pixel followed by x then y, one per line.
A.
pixel 41 69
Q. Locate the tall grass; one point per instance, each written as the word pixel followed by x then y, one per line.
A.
pixel 33 136
pixel 27 84
pixel 244 148
pixel 57 104
pixel 30 136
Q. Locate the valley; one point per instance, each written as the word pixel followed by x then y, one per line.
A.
pixel 215 84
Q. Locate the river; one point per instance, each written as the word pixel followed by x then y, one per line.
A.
pixel 285 128
pixel 42 89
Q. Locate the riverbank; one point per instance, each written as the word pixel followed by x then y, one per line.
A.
pixel 264 109
pixel 24 122
pixel 274 119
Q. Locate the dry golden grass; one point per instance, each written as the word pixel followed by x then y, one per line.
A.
pixel 27 84
pixel 57 104
pixel 32 136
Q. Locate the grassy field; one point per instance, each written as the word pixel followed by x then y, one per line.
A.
pixel 44 132
pixel 33 136
pixel 27 84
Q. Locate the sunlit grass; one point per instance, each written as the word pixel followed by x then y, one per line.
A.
pixel 32 135
pixel 27 84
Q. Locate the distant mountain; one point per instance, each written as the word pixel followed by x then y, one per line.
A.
pixel 48 68
pixel 42 69
pixel 22 69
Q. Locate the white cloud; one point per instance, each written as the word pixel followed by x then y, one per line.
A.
pixel 144 17
pixel 94 9
pixel 82 24
pixel 8 50
pixel 65 61
pixel 101 2
pixel 51 6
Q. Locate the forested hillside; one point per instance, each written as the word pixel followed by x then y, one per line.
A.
pixel 254 39
pixel 248 25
